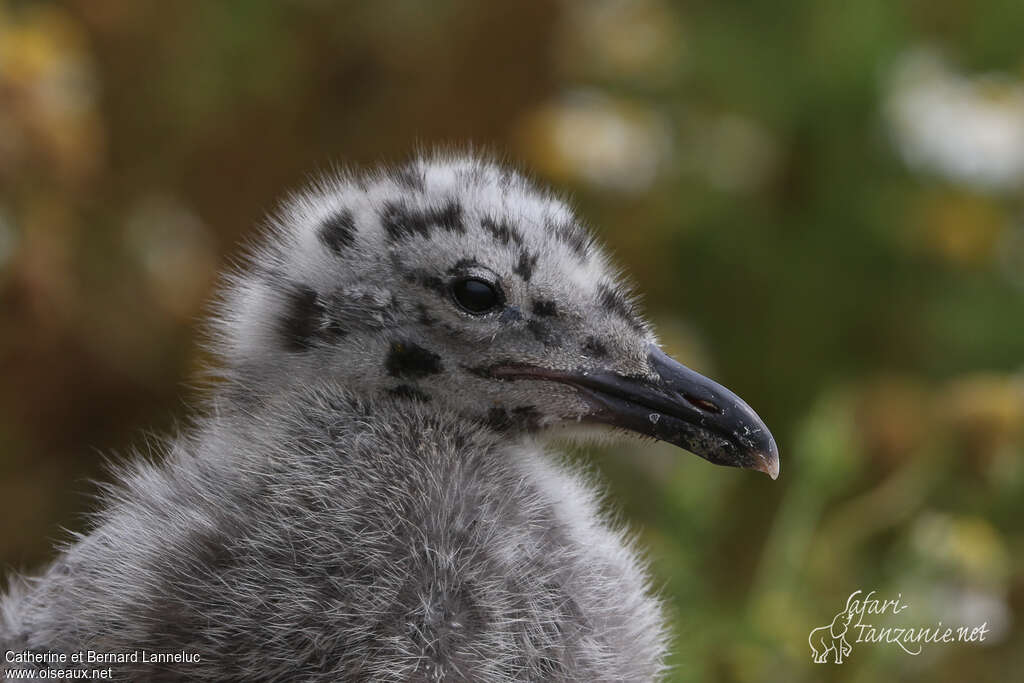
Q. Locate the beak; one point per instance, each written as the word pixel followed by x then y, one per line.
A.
pixel 680 407
pixel 686 409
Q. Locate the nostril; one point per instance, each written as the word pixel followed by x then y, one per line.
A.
pixel 702 404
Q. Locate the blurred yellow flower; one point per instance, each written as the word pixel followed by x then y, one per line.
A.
pixel 968 545
pixel 986 410
pixel 961 227
pixel 47 80
pixel 639 40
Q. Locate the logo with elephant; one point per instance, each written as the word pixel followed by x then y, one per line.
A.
pixel 831 642
pixel 831 639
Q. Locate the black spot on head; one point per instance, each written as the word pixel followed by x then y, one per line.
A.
pixel 423 316
pixel 593 347
pixel 435 284
pixel 411 361
pixel 521 418
pixel 527 263
pixel 410 177
pixel 334 329
pixel 613 301
pixel 448 217
pixel 544 308
pixel 338 231
pixel 425 279
pixel 575 237
pixel 401 222
pixel 462 265
pixel 409 392
pixel 542 332
pixel 502 231
pixel 302 318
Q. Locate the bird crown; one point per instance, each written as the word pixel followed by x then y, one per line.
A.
pixel 408 280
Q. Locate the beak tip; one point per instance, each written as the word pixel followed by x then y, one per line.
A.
pixel 769 462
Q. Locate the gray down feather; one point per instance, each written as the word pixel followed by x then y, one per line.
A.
pixel 361 499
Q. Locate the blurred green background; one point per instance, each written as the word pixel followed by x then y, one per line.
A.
pixel 823 202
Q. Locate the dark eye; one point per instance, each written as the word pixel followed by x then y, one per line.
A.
pixel 475 295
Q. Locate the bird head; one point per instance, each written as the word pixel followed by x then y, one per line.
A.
pixel 456 283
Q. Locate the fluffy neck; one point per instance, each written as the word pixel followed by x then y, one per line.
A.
pixel 334 540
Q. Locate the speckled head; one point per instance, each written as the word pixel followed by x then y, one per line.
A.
pixel 456 283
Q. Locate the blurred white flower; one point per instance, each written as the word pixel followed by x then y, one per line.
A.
pixel 955 604
pixel 613 143
pixel 969 129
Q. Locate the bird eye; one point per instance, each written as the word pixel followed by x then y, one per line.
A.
pixel 475 295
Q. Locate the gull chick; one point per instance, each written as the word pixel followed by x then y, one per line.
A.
pixel 367 495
